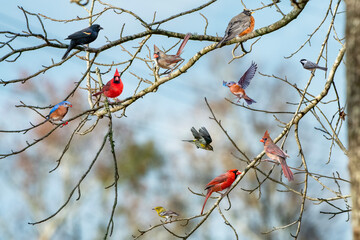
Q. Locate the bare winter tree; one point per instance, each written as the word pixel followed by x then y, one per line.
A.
pixel 324 108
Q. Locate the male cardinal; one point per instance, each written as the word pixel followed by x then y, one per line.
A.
pixel 238 88
pixel 202 139
pixel 277 155
pixel 169 61
pixel 167 214
pixel 85 36
pixel 220 183
pixel 113 88
pixel 308 65
pixel 238 26
pixel 58 112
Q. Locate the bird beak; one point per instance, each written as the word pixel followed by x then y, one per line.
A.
pixel 155 55
pixel 101 28
pixel 252 12
pixel 224 83
pixel 262 140
pixel 153 209
pixel 238 173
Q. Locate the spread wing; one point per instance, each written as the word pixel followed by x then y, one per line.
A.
pixel 248 75
pixel 195 133
pixel 205 134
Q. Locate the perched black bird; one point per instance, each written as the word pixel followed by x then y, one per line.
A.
pixel 84 36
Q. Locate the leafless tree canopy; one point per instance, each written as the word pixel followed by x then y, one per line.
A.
pixel 325 109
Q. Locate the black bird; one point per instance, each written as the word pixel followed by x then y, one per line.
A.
pixel 84 36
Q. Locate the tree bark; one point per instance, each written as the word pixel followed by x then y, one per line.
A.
pixel 353 101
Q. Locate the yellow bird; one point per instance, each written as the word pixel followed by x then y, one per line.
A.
pixel 165 214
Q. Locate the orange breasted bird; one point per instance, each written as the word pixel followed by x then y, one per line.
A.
pixel 238 88
pixel 220 183
pixel 169 61
pixel 85 36
pixel 113 88
pixel 276 154
pixel 58 112
pixel 239 25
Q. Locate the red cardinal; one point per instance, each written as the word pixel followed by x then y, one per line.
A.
pixel 277 155
pixel 220 183
pixel 113 88
pixel 169 61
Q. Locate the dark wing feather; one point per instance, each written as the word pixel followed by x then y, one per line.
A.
pixel 195 133
pixel 248 75
pixel 86 32
pixel 205 134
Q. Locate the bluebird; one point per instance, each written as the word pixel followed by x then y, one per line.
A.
pixel 85 36
pixel 238 88
pixel 308 65
pixel 58 112
pixel 202 139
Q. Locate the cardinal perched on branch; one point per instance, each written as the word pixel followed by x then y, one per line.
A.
pixel 169 61
pixel 220 183
pixel 113 88
pixel 276 154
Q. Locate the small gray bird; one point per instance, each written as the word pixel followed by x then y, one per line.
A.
pixel 202 139
pixel 308 65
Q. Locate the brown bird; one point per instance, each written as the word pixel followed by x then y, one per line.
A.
pixel 239 25
pixel 277 155
pixel 169 61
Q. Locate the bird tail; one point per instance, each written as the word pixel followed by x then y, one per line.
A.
pixel 186 39
pixel 207 196
pixel 221 42
pixel 71 46
pixel 286 170
pixel 190 141
pixel 323 68
pixel 98 93
pixel 248 100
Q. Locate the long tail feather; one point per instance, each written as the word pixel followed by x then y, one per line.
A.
pixel 323 68
pixel 186 39
pixel 286 170
pixel 207 196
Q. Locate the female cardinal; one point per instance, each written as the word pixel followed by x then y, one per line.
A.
pixel 169 61
pixel 113 88
pixel 277 155
pixel 238 89
pixel 220 183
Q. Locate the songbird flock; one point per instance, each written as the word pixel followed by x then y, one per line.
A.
pixel 239 25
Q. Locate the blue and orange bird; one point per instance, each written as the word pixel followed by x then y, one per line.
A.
pixel 58 112
pixel 238 89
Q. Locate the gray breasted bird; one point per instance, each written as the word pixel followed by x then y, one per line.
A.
pixel 308 65
pixel 202 139
pixel 85 36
